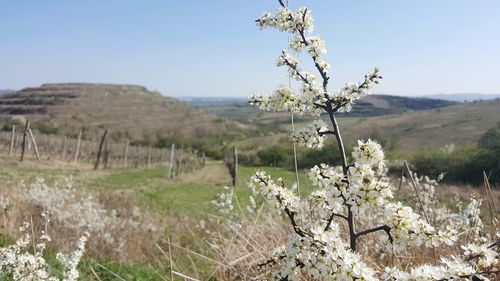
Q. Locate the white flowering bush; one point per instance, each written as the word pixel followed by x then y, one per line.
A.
pixel 224 201
pixel 79 211
pixel 24 259
pixel 354 200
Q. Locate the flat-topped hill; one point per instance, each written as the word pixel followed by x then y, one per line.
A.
pixel 128 110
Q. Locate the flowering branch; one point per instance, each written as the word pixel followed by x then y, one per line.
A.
pixel 360 187
pixel 301 32
pixel 283 198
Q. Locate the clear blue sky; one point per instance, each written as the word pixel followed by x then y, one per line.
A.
pixel 213 48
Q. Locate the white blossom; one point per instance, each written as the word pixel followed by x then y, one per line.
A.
pixel 310 136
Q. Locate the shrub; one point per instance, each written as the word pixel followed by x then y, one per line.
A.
pixel 276 155
pixel 465 165
pixel 325 242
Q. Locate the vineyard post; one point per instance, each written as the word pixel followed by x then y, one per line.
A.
pixel 235 165
pixel 148 164
pixel 78 143
pixel 125 158
pixel 12 139
pixel 23 147
pixel 65 145
pixel 105 156
pixel 32 138
pixel 99 152
pixel 171 162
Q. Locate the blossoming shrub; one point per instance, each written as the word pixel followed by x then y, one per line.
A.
pixel 354 201
pixel 119 230
pixel 24 259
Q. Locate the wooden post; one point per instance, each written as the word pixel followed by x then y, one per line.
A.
pixel 23 147
pixel 235 165
pixel 65 145
pixel 149 157
pixel 12 139
pixel 105 157
pixel 30 133
pixel 125 158
pixel 78 143
pixel 171 163
pixel 96 165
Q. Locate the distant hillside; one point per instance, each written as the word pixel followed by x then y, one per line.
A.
pixel 467 97
pixel 127 110
pixel 4 92
pixel 428 129
pixel 408 132
pixel 373 105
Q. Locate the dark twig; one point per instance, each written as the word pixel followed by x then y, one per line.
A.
pixel 330 219
pixel 326 133
pixel 385 228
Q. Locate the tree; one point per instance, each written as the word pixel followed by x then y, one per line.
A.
pixel 491 139
pixel 347 194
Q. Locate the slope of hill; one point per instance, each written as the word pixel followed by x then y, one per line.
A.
pixel 466 97
pixel 4 92
pixel 125 109
pixel 372 105
pixel 430 129
pixel 408 132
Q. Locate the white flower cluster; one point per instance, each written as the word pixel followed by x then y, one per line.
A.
pixel 283 99
pixel 366 189
pixel 4 204
pixel 310 136
pixel 286 20
pixel 252 206
pixel 316 47
pixel 467 220
pixel 351 92
pixel 368 153
pixel 71 261
pixel 407 229
pixel 482 258
pixel 322 255
pixel 312 97
pixel 285 59
pixel 276 193
pixel 80 211
pixel 224 201
pixel 18 263
pixel 327 199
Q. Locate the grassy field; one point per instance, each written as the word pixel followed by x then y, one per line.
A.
pixel 182 204
pixel 185 198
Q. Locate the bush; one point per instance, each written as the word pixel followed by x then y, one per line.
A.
pixel 463 166
pixel 328 155
pixel 276 155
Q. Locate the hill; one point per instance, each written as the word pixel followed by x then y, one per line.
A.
pixel 373 105
pixel 429 129
pixel 4 92
pixel 127 110
pixel 466 97
pixel 408 132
